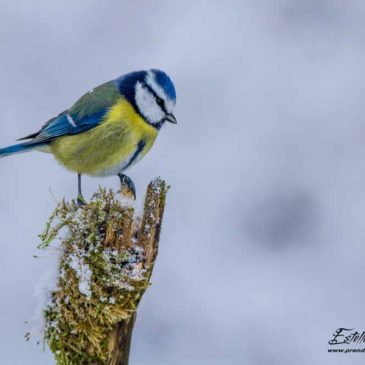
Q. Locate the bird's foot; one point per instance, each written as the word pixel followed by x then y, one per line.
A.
pixel 80 201
pixel 127 186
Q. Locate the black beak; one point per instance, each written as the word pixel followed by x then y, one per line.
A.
pixel 170 118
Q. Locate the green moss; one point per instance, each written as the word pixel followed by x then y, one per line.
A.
pixel 102 276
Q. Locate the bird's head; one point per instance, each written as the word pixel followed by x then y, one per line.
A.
pixel 152 94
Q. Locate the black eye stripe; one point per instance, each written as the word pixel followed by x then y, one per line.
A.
pixel 159 101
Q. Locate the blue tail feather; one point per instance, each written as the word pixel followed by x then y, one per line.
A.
pixel 18 148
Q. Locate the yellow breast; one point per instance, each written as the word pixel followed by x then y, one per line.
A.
pixel 108 148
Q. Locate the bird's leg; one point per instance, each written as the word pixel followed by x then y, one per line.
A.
pixel 80 198
pixel 127 183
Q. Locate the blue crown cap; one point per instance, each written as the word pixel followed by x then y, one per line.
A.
pixel 126 84
pixel 165 82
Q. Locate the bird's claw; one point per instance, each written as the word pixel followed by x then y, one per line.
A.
pixel 127 186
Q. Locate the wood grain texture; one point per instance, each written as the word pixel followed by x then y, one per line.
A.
pixel 119 342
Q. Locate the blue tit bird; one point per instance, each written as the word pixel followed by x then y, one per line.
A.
pixel 108 129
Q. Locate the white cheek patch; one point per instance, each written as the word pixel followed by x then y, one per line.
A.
pixel 147 105
pixel 151 82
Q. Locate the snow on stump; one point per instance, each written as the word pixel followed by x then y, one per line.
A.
pixel 107 260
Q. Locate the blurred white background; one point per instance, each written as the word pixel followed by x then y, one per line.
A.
pixel 263 246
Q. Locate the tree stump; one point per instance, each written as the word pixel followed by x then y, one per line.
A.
pixel 107 258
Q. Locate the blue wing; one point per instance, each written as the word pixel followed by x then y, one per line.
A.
pixel 87 113
pixel 66 124
pixel 62 125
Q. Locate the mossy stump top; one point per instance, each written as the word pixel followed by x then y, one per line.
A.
pixel 105 267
